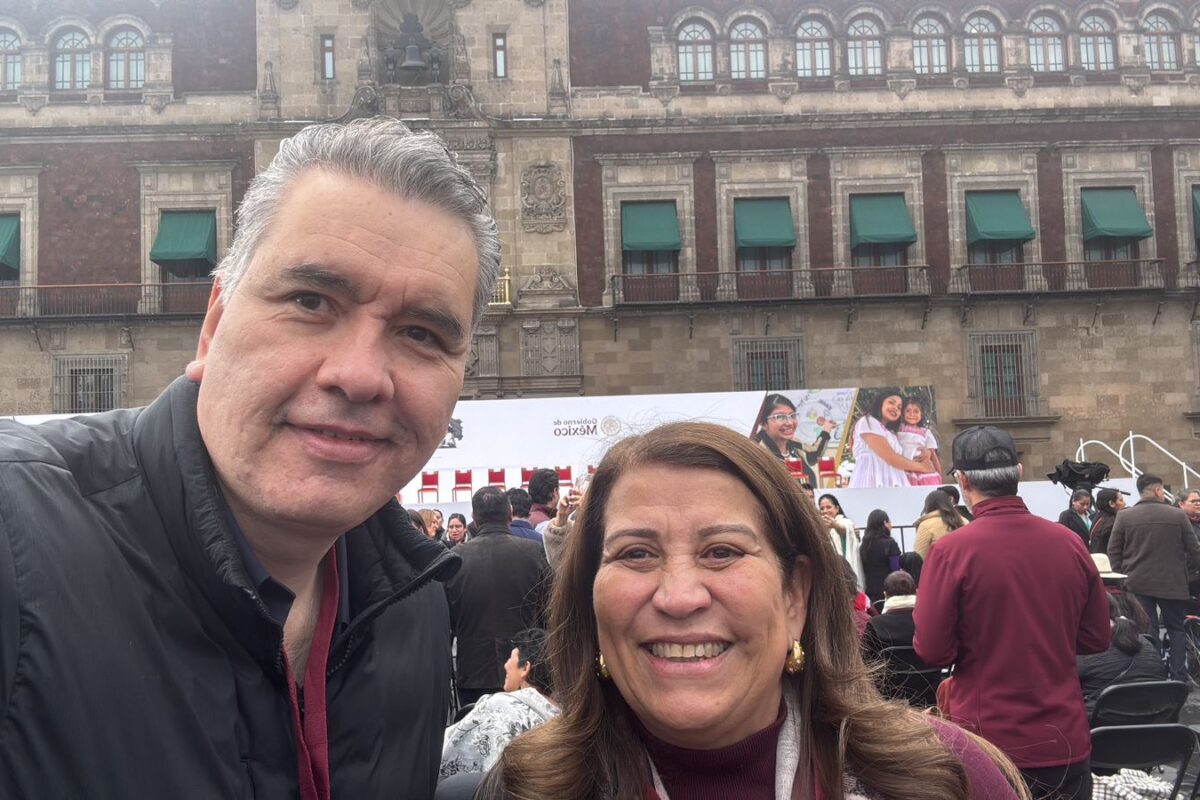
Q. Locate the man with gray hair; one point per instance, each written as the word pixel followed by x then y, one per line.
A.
pixel 217 595
pixel 1009 599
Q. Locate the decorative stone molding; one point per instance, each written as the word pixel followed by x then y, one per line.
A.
pixel 1020 84
pixel 287 5
pixel 535 3
pixel 1136 84
pixel 34 102
pixel 157 101
pixel 962 82
pixel 547 289
pixel 268 96
pixel 543 198
pixel 784 90
pixel 902 87
pixel 841 85
pixel 467 142
pixel 461 102
pixel 1077 79
pixel 559 105
pixel 665 93
pixel 484 359
pixel 549 347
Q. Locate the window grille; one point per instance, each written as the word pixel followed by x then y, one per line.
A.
pixel 72 61
pixel 1097 44
pixel 10 61
pixel 747 51
pixel 1162 51
pixel 1046 45
pixel 126 60
pixel 328 62
pixel 500 55
pixel 931 47
pixel 981 45
pixel 768 365
pixel 695 52
pixel 88 384
pixel 864 48
pixel 1003 374
pixel 814 50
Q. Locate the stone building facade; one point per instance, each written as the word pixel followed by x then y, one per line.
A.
pixel 586 120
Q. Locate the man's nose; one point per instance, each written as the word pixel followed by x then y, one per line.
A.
pixel 358 365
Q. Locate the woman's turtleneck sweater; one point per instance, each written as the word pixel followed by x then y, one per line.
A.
pixel 744 770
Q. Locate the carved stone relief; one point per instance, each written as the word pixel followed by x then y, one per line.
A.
pixel 547 289
pixel 549 348
pixel 484 359
pixel 543 198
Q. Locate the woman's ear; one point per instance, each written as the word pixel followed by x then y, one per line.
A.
pixel 796 590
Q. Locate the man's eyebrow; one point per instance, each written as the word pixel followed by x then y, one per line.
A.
pixel 320 278
pixel 446 324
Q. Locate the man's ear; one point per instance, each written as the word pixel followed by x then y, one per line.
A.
pixel 212 316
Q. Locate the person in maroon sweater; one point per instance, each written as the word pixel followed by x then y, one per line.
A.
pixel 1010 599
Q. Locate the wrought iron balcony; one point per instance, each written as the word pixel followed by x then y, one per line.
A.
pixel 1057 277
pixel 104 300
pixel 502 293
pixel 796 284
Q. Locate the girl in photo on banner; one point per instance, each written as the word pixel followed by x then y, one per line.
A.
pixel 916 438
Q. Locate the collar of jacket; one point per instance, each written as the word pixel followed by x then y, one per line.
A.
pixel 490 528
pixel 1000 505
pixel 388 559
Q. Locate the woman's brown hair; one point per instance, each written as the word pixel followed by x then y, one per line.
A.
pixel 592 750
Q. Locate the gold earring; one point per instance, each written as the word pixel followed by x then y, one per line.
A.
pixel 601 668
pixel 795 660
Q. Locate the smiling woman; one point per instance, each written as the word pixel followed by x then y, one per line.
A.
pixel 703 648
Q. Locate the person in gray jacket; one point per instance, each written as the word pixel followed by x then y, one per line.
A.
pixel 217 595
pixel 1154 545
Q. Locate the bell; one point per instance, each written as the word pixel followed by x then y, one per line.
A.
pixel 412 58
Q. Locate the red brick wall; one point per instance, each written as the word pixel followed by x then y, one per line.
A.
pixel 704 178
pixel 89 211
pixel 214 40
pixel 937 217
pixel 1052 225
pixel 1166 230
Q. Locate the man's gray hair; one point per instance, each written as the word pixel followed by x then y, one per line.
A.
pixel 994 481
pixel 382 151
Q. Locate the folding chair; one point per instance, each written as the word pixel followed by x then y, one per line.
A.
pixel 462 483
pixel 1142 747
pixel 564 475
pixel 429 483
pixel 526 476
pixel 1139 703
pixel 906 677
pixel 496 478
pixel 827 473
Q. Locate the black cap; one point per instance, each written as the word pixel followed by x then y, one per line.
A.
pixel 972 446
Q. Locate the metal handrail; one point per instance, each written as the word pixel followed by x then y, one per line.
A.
pixel 183 298
pixel 1057 276
pixel 1129 464
pixel 791 284
pixel 502 293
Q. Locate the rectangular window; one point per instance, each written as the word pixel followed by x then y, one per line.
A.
pixel 651 262
pixel 1004 377
pixel 327 59
pixel 499 55
pixel 767 365
pixel 1003 251
pixel 879 255
pixel 764 259
pixel 10 79
pixel 89 384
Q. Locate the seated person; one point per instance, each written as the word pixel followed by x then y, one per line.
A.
pixel 1129 658
pixel 894 627
pixel 474 743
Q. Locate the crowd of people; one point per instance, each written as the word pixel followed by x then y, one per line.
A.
pixel 219 596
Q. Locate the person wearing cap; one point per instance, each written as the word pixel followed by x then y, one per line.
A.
pixel 1033 589
pixel 1108 503
pixel 1154 544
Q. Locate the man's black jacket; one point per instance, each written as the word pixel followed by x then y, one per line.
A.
pixel 136 659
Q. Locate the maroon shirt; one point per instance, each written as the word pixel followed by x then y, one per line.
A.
pixel 1009 599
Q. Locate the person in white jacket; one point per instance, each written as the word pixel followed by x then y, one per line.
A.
pixel 474 743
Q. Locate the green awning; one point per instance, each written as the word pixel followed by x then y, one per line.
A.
pixel 763 222
pixel 880 219
pixel 186 244
pixel 1196 210
pixel 997 217
pixel 650 226
pixel 10 247
pixel 1113 212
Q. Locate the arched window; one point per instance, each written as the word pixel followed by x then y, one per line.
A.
pixel 1097 44
pixel 1161 43
pixel 126 60
pixel 72 61
pixel 1046 48
pixel 864 47
pixel 931 47
pixel 814 50
pixel 981 44
pixel 747 51
pixel 695 52
pixel 10 61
